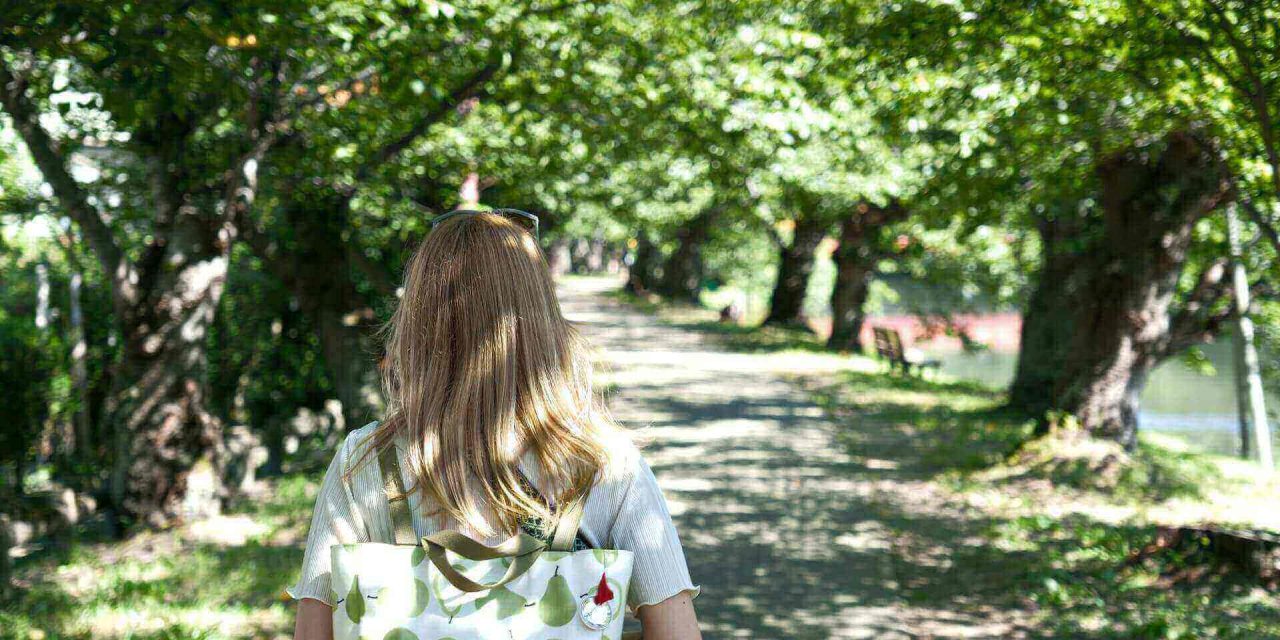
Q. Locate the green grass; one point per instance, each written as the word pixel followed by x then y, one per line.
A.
pixel 741 338
pixel 176 584
pixel 1046 526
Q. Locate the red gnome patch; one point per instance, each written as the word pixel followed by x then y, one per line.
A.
pixel 603 593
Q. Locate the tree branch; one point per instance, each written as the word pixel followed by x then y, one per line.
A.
pixel 472 88
pixel 69 193
pixel 1198 319
pixel 1205 45
pixel 378 276
pixel 1268 227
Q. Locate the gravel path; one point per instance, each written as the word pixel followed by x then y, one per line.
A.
pixel 787 534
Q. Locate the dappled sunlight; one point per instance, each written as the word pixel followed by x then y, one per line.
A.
pixel 787 538
pixel 226 531
pixel 221 576
pixel 847 503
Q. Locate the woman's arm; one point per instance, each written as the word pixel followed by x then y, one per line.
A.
pixel 671 619
pixel 315 621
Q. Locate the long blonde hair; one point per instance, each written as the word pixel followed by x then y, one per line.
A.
pixel 481 365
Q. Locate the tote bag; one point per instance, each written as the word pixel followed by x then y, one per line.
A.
pixel 451 587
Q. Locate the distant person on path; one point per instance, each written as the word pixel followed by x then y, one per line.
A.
pixel 491 416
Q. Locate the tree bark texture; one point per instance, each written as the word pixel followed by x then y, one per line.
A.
pixel 862 245
pixel 1125 318
pixel 1047 317
pixel 795 265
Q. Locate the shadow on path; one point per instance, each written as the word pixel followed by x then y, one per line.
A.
pixel 783 527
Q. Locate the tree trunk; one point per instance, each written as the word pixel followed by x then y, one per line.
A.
pixel 1249 391
pixel 163 430
pixel 1046 318
pixel 595 255
pixel 580 250
pixel 1123 318
pixel 848 301
pixel 861 246
pixel 641 272
pixel 341 315
pixel 682 272
pixel 163 304
pixel 786 304
pixel 558 257
pixel 79 375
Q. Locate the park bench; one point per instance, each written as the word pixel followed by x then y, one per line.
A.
pixel 889 347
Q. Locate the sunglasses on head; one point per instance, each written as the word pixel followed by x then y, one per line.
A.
pixel 522 218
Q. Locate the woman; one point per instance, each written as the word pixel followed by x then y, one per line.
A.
pixel 491 412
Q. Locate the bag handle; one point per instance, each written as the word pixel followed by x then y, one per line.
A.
pixel 522 548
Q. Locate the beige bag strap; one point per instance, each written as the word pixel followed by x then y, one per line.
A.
pixel 522 548
pixel 397 499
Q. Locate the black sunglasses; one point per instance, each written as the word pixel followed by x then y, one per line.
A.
pixel 522 218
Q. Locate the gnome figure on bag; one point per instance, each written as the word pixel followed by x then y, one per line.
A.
pixel 597 610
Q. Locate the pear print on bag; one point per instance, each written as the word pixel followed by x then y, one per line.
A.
pixel 355 602
pixel 605 556
pixel 421 597
pixel 509 604
pixel 558 605
pixel 448 586
pixel 386 596
pixel 448 603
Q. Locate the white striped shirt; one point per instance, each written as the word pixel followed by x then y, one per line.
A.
pixel 625 510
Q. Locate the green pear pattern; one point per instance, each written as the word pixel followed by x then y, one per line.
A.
pixel 419 603
pixel 438 585
pixel 421 597
pixel 558 605
pixel 355 602
pixel 605 556
pixel 509 604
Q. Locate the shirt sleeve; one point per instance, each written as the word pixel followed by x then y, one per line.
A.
pixel 644 527
pixel 334 521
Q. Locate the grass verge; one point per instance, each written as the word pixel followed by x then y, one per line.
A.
pixel 1049 528
pixel 222 578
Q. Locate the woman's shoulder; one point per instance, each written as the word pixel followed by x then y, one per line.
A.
pixel 360 435
pixel 352 449
pixel 623 463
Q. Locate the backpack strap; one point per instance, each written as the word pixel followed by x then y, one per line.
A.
pixel 397 499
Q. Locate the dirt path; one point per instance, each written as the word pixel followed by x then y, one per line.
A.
pixel 781 526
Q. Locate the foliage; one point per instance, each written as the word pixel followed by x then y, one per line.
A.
pixel 318 139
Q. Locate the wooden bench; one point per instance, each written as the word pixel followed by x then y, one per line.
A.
pixel 889 347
